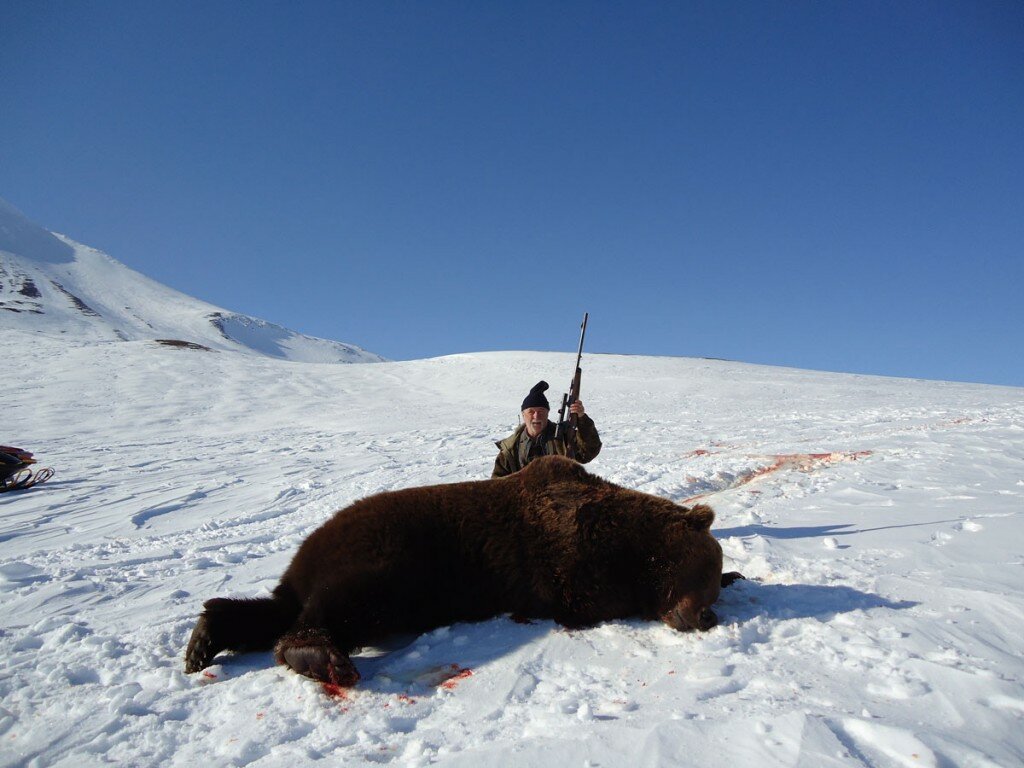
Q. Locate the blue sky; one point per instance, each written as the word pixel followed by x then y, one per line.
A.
pixel 826 185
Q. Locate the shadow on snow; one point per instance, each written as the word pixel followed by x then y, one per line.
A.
pixel 746 600
pixel 416 666
pixel 815 531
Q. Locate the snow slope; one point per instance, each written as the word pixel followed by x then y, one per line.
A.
pixel 53 285
pixel 881 624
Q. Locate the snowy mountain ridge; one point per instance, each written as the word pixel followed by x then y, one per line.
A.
pixel 53 285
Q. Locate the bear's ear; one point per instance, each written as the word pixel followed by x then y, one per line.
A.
pixel 553 469
pixel 700 517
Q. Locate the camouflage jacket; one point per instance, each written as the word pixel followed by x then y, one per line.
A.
pixel 514 450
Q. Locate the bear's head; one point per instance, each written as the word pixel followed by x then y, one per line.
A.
pixel 690 575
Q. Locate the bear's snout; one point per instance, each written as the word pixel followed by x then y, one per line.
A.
pixel 685 618
pixel 706 619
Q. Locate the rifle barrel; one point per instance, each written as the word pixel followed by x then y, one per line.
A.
pixel 583 332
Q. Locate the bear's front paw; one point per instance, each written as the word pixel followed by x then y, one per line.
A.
pixel 731 577
pixel 311 653
pixel 200 651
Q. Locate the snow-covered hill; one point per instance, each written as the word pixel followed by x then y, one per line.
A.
pixel 880 522
pixel 53 285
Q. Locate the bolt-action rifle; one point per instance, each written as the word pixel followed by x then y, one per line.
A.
pixel 566 430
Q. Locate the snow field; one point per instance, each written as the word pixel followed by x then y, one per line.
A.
pixel 878 522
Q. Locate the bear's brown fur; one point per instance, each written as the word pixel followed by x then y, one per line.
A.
pixel 551 541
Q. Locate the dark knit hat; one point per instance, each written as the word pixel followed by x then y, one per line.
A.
pixel 536 397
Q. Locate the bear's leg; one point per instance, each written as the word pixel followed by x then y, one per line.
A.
pixel 238 625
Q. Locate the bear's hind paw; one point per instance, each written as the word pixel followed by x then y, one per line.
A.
pixel 311 653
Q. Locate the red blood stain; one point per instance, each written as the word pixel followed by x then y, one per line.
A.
pixel 406 699
pixel 259 715
pixel 335 691
pixel 802 462
pixel 338 684
pixel 210 675
pixel 698 452
pixel 457 673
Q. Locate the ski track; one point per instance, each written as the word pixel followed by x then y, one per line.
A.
pixel 880 623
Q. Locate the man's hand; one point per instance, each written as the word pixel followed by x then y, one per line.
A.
pixel 577 408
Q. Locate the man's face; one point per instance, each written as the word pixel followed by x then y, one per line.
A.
pixel 535 420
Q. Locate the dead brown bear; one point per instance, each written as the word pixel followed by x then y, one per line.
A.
pixel 551 542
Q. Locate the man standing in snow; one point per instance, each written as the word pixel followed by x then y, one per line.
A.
pixel 536 435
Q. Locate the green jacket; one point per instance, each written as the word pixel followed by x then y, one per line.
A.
pixel 513 450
